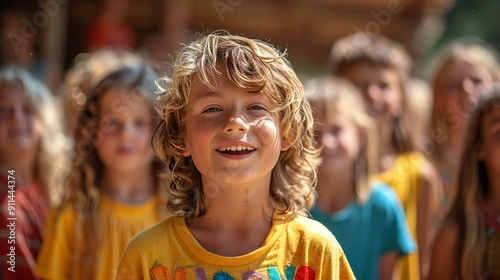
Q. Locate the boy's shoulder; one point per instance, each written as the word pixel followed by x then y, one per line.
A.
pixel 307 236
pixel 310 229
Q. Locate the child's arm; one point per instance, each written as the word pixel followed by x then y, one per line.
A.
pixel 444 258
pixel 428 202
pixel 386 264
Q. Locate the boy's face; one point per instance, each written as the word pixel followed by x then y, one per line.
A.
pixel 20 126
pixel 232 135
pixel 125 126
pixel 380 86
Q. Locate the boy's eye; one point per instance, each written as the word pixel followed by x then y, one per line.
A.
pixel 212 109
pixel 256 107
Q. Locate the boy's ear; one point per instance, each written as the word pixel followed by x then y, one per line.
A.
pixel 284 144
pixel 186 151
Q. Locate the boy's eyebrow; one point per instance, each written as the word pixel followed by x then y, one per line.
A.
pixel 206 94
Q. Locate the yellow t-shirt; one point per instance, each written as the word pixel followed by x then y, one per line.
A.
pixel 294 247
pixel 117 223
pixel 405 177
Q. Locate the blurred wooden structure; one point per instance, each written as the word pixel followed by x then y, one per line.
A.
pixel 306 28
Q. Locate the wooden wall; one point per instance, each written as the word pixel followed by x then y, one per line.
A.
pixel 307 28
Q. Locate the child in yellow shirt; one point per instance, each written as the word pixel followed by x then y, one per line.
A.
pixel 237 134
pixel 114 190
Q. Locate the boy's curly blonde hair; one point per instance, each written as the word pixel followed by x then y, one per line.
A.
pixel 253 66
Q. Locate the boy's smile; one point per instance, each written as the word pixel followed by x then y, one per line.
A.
pixel 236 150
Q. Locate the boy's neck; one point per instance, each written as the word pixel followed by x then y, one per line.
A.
pixel 128 187
pixel 237 220
pixel 335 190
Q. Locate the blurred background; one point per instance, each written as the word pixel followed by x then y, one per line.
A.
pixel 52 33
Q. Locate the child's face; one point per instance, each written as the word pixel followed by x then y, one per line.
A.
pixel 20 126
pixel 380 86
pixel 339 137
pixel 125 125
pixel 458 82
pixel 489 150
pixel 232 135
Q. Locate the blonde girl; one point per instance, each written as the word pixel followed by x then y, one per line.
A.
pixel 237 134
pixel 363 214
pixel 114 190
pixel 460 70
pixel 33 162
pixel 468 243
pixel 380 69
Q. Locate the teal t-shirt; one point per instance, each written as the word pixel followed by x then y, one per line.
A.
pixel 368 231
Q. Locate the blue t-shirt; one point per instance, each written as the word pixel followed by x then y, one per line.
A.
pixel 368 231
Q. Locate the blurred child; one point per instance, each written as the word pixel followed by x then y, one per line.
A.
pixel 113 188
pixel 32 165
pixel 462 69
pixel 237 133
pixel 365 216
pixel 468 244
pixel 380 68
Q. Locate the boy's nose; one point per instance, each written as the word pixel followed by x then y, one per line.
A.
pixel 236 122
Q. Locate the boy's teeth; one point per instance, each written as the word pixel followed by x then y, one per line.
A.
pixel 235 148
